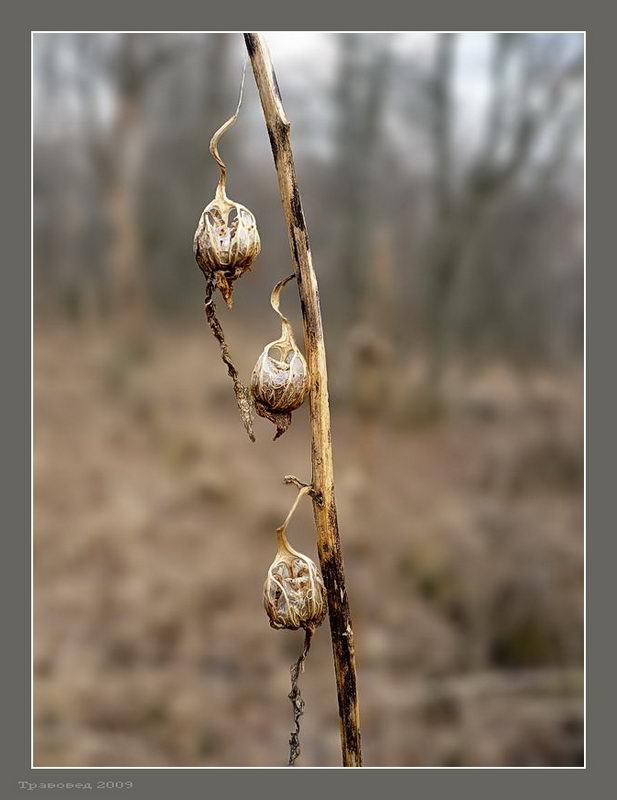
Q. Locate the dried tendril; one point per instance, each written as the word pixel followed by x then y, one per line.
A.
pixel 297 701
pixel 280 379
pixel 243 396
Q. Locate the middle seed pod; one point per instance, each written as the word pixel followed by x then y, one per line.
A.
pixel 280 379
pixel 294 594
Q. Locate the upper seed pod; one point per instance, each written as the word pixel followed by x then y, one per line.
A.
pixel 280 379
pixel 226 241
pixel 294 594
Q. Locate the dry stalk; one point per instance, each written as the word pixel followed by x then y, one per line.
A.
pixel 324 506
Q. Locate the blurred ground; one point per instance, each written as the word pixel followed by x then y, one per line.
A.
pixel 154 528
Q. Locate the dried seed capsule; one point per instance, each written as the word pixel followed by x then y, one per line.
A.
pixel 294 594
pixel 280 379
pixel 226 241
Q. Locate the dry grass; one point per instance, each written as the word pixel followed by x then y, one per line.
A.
pixel 154 527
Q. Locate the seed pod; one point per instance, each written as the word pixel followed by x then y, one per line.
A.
pixel 294 594
pixel 280 379
pixel 226 241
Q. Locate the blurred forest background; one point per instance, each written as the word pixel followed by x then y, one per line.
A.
pixel 442 180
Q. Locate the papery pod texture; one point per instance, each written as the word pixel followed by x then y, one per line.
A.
pixel 280 380
pixel 282 383
pixel 294 595
pixel 226 243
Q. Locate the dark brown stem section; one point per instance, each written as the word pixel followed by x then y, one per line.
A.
pixel 324 508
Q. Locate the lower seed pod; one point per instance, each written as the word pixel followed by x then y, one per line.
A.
pixel 294 594
pixel 294 597
pixel 280 379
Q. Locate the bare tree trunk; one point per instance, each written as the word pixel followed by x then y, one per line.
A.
pixel 441 122
pixel 358 139
pixel 128 284
pixel 370 386
pixel 461 219
pixel 324 506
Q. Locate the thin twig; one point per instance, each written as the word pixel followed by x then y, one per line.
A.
pixel 243 397
pixel 291 480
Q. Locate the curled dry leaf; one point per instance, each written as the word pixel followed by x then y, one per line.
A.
pixel 280 419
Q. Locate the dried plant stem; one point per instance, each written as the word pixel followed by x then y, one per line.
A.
pixel 242 394
pixel 295 696
pixel 324 507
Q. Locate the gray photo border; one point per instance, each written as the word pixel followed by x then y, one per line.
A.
pixel 15 341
